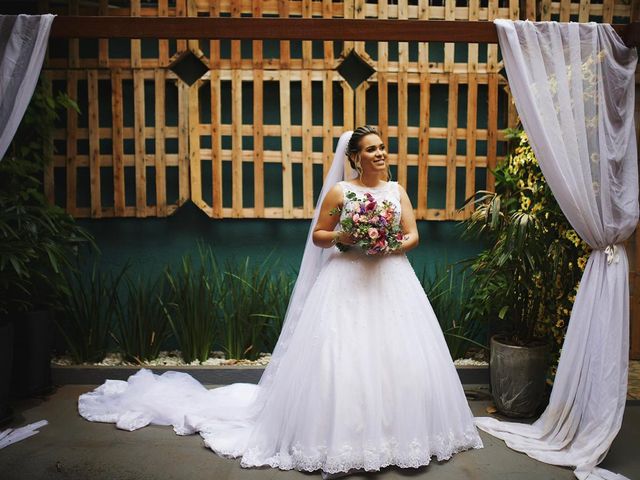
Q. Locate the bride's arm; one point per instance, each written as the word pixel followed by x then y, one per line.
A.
pixel 407 222
pixel 324 235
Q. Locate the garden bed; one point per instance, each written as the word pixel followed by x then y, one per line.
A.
pixel 215 371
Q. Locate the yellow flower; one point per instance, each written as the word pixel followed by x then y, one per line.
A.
pixel 525 202
pixel 560 324
pixel 582 262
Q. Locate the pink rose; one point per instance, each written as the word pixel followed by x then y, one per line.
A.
pixel 370 205
pixel 355 217
pixel 381 244
pixel 373 233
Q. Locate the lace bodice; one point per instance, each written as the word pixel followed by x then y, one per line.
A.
pixel 389 191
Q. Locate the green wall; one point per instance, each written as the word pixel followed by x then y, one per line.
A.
pixel 151 244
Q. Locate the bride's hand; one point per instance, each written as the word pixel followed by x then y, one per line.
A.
pixel 345 238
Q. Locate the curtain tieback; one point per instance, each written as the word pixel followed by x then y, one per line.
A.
pixel 612 254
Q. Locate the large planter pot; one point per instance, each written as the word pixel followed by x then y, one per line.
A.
pixel 518 376
pixel 33 334
pixel 6 359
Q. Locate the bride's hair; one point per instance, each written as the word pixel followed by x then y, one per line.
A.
pixel 353 147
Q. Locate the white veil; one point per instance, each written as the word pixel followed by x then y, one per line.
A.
pixel 312 261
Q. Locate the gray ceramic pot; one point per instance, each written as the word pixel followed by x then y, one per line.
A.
pixel 518 376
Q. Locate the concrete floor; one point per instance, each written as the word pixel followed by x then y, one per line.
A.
pixel 72 448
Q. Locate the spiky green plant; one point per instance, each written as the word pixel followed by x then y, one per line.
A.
pixel 141 325
pixel 447 290
pixel 88 307
pixel 194 302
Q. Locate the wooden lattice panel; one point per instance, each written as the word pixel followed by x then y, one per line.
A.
pixel 253 136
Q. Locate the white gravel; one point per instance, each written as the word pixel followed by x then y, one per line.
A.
pixel 174 359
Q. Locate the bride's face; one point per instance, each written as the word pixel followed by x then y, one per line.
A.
pixel 373 154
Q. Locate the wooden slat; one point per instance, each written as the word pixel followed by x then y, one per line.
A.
pixel 492 124
pixel 163 44
pixel 74 44
pixel 236 143
pixel 327 122
pixel 103 43
pixel 307 52
pixel 285 46
pixel 160 135
pixel 307 146
pixel 349 13
pixel 359 12
pixel 449 47
pixel 118 139
pixel 258 144
pixel 327 46
pixel 347 30
pixel 181 11
pixel 361 104
pixel 184 181
pixel 216 138
pixel 193 44
pixel 258 115
pixel 139 137
pixel 583 16
pixel 276 130
pixel 94 144
pixel 452 120
pixel 403 103
pixel 72 144
pixel 423 145
pixel 347 110
pixel 530 13
pixel 383 85
pixel 565 13
pixel 423 47
pixel 472 58
pixel 492 50
pixel 285 121
pixel 270 156
pixel 472 116
pixel 545 10
pixel 136 48
pixel 236 56
pixel 216 144
pixel 195 170
pixel 607 11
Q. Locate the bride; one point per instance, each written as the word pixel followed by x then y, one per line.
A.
pixel 361 377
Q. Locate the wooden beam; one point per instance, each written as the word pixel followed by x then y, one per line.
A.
pixel 291 29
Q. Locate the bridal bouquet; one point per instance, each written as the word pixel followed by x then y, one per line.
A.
pixel 371 224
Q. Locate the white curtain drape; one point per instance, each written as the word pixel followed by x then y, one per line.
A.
pixel 573 85
pixel 23 42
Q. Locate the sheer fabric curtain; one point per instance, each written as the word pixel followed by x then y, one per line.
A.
pixel 23 41
pixel 573 85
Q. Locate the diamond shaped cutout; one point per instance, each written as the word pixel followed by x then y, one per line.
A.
pixel 188 67
pixel 354 69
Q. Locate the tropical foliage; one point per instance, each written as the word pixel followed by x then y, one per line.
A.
pixel 527 279
pixel 37 239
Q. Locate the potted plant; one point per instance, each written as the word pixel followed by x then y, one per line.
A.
pixel 36 241
pixel 525 282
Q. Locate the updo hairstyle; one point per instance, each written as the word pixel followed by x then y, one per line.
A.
pixel 353 147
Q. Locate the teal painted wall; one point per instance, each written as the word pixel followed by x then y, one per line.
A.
pixel 153 243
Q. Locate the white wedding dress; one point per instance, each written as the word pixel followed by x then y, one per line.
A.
pixel 364 380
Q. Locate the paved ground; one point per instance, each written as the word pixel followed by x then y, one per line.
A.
pixel 72 448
